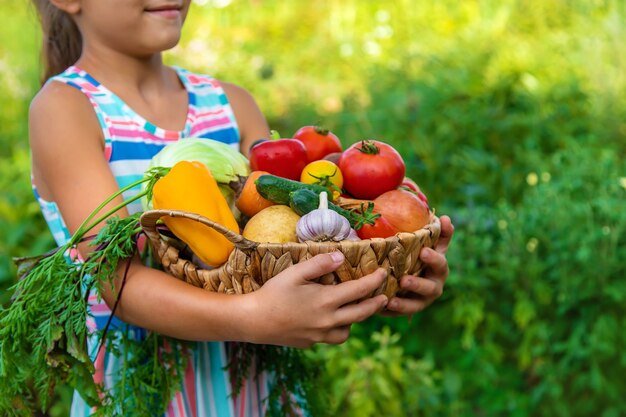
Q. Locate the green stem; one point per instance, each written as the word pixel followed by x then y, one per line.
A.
pixel 367 216
pixel 326 181
pixel 152 176
pixel 115 209
pixel 274 135
pixel 102 259
pixel 369 147
pixel 82 229
pixel 320 130
pixel 124 367
pixel 86 268
pixel 155 360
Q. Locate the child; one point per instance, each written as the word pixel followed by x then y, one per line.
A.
pixel 110 104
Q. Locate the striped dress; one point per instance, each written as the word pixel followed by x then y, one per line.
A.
pixel 130 143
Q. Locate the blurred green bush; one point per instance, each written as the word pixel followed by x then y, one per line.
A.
pixel 22 229
pixel 511 116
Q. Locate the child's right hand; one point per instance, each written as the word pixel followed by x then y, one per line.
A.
pixel 292 310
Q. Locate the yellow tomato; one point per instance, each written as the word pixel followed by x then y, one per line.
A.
pixel 324 173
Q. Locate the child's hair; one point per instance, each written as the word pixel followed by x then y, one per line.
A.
pixel 62 41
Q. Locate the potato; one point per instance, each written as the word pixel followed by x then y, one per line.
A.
pixel 276 224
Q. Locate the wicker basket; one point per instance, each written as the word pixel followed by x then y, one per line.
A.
pixel 251 264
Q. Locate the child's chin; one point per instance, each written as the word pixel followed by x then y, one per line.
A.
pixel 164 41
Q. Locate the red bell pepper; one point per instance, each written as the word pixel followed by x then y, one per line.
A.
pixel 282 157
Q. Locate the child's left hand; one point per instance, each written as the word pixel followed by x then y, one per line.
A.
pixel 424 290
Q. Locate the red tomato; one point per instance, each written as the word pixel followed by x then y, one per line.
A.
pixel 381 228
pixel 318 142
pixel 371 168
pixel 282 157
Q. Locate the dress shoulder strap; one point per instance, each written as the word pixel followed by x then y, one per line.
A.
pixel 104 104
pixel 212 113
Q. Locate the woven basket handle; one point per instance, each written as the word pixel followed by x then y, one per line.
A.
pixel 149 219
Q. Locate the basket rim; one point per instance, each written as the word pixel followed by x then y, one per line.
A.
pixel 151 218
pixel 222 278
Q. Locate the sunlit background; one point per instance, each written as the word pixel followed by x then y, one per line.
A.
pixel 510 114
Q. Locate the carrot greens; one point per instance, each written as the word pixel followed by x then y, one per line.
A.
pixel 45 340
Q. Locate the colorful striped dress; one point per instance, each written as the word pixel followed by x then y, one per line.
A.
pixel 130 143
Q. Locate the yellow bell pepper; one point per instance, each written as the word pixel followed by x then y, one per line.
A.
pixel 190 186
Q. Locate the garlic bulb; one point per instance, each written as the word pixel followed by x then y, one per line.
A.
pixel 323 224
pixel 353 235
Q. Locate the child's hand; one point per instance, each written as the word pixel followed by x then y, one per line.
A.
pixel 424 290
pixel 292 310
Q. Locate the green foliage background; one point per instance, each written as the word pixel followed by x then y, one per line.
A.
pixel 511 115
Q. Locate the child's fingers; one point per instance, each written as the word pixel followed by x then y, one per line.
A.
pixel 406 306
pixel 355 313
pixel 447 230
pixel 437 264
pixel 425 287
pixel 337 335
pixel 350 291
pixel 317 266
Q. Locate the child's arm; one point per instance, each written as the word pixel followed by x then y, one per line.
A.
pixel 69 168
pixel 288 310
pixel 250 119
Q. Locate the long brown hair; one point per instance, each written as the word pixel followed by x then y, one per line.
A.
pixel 62 41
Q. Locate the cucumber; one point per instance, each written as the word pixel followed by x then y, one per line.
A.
pixel 277 189
pixel 304 201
